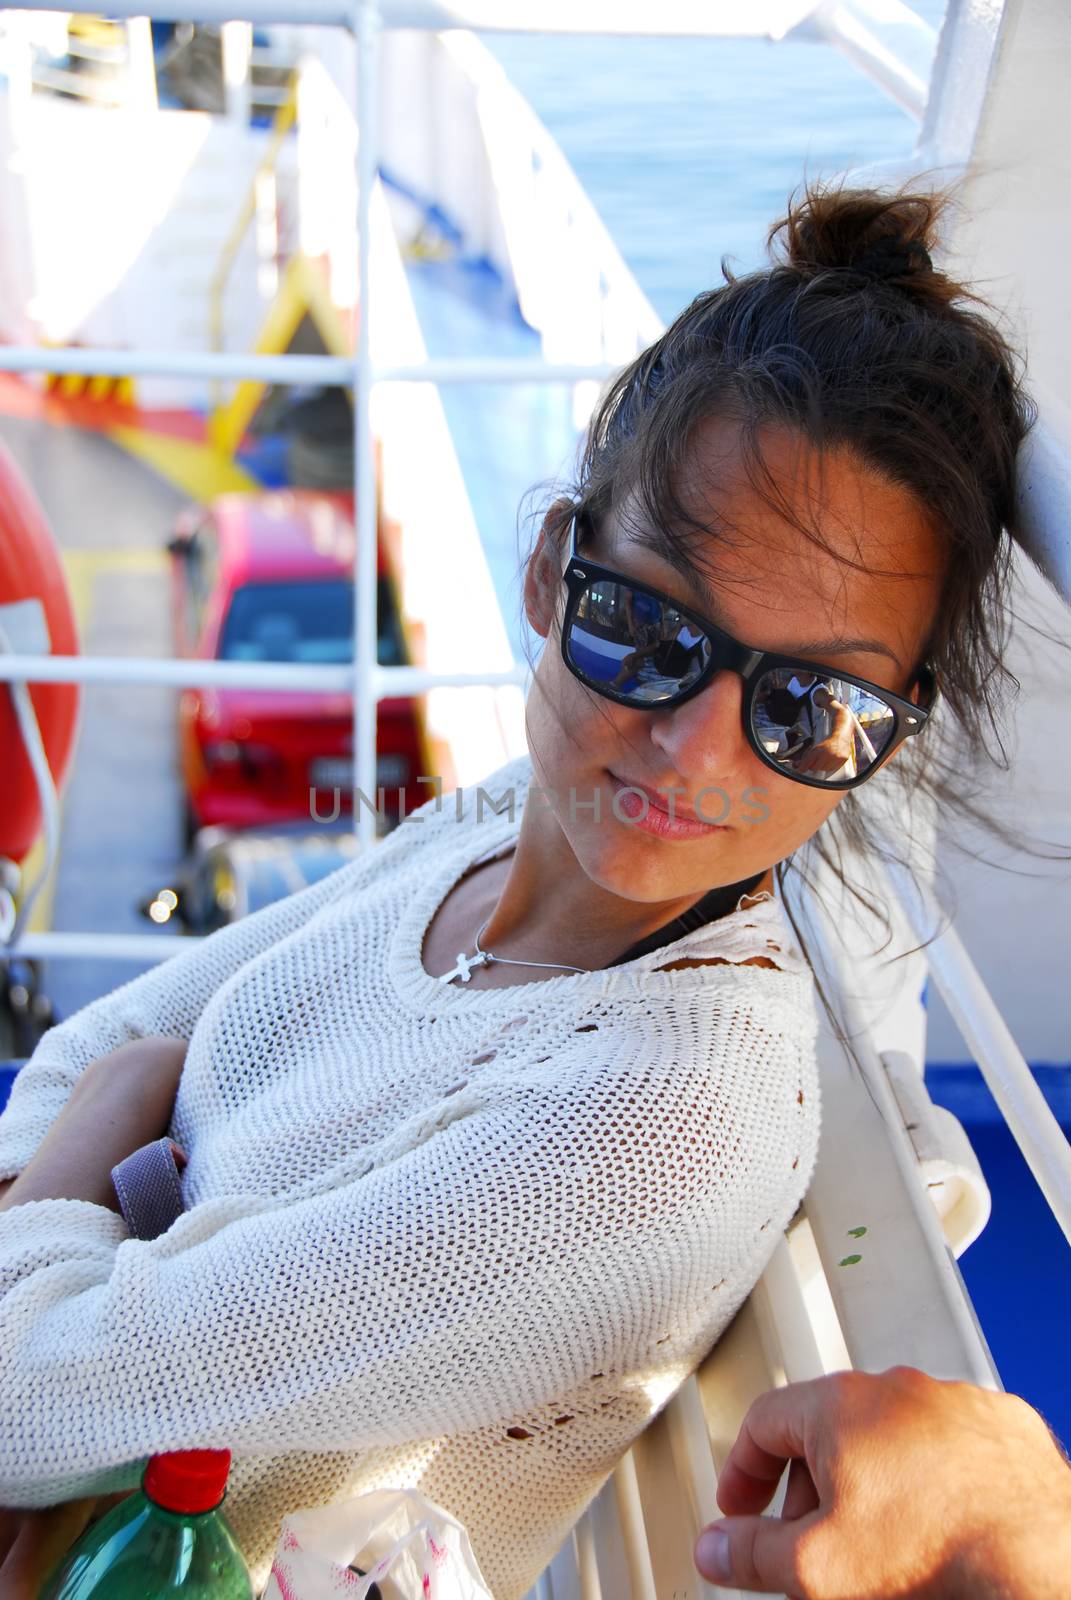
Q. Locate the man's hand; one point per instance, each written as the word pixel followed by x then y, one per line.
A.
pixel 900 1484
pixel 32 1543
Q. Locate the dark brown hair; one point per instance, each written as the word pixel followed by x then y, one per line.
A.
pixel 855 339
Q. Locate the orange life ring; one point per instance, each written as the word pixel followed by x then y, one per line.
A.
pixel 34 600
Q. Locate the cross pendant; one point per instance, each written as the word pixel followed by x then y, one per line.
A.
pixel 464 967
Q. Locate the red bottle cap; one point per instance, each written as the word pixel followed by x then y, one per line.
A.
pixel 187 1480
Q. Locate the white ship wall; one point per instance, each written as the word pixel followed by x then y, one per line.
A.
pixel 114 221
pixel 1013 240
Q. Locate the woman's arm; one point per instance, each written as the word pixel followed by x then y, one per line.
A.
pixel 120 1102
pixel 482 1262
pixel 838 746
pixel 167 1000
pixel 33 1542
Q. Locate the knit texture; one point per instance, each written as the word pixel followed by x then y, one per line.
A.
pixel 465 1241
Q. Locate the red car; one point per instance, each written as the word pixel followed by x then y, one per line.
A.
pixel 269 577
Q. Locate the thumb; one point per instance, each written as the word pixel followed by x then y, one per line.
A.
pixel 756 1553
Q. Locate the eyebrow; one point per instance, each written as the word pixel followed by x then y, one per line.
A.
pixel 839 646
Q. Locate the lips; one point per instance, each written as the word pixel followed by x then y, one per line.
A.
pixel 659 799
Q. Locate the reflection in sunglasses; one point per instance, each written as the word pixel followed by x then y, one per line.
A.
pixel 821 729
pixel 628 640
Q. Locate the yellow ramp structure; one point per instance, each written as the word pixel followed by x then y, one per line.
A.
pixel 201 471
pixel 303 320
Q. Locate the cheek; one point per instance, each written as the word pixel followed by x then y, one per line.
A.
pixel 797 810
pixel 567 725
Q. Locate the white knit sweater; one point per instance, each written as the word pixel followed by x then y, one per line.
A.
pixel 463 1241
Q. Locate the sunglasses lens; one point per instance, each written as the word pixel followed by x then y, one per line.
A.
pixel 815 726
pixel 629 642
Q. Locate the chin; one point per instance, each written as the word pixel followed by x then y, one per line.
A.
pixel 633 866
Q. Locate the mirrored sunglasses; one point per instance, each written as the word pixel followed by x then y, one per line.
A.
pixel 642 648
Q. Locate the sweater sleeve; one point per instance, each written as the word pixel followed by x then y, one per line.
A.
pixel 499 1255
pixel 168 999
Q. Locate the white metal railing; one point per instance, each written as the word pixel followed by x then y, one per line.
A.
pixel 368 682
pixel 1003 1065
pixel 133 86
pixel 386 681
pixel 291 368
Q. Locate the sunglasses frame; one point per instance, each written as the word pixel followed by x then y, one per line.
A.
pixel 910 716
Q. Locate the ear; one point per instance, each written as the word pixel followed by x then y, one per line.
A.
pixel 923 690
pixel 543 573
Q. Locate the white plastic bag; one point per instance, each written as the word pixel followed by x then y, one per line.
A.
pixel 407 1545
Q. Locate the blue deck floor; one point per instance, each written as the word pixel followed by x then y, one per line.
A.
pixel 509 438
pixel 1018 1272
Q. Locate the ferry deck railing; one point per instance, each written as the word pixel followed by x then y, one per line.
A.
pixel 811 1313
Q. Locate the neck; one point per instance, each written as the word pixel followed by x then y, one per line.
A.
pixel 547 905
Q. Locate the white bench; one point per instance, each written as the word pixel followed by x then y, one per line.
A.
pixel 902 1301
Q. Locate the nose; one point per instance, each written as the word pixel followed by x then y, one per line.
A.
pixel 703 739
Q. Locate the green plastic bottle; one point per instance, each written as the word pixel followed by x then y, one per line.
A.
pixel 170 1539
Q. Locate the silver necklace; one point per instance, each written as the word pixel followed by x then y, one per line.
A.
pixel 483 958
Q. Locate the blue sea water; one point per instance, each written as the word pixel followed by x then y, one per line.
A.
pixel 689 148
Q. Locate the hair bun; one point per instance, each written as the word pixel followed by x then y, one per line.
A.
pixel 885 237
pixel 893 258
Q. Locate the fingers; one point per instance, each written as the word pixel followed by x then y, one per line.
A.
pixel 757 1554
pixel 106 1501
pixel 749 1477
pixel 801 1496
pixel 9 1527
pixel 773 1432
pixel 42 1539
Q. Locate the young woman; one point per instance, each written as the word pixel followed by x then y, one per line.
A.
pixel 491 1133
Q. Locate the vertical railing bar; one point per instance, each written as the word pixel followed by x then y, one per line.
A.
pixel 365 576
pixel 587 1562
pixel 1027 1114
pixel 690 1439
pixel 780 1286
pixel 634 1530
pixel 693 1456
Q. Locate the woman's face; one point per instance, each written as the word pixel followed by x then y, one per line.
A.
pixel 771 587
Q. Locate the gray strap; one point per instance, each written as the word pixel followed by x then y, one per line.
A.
pixel 148 1188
